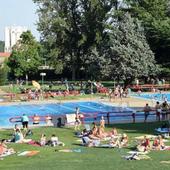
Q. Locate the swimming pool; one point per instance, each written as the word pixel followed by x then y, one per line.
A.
pixel 155 96
pixel 6 112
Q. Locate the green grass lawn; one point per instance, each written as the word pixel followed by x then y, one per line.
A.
pixel 89 158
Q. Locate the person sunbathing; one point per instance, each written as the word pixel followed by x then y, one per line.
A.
pixel 144 145
pixel 90 142
pixel 100 133
pixel 54 141
pixel 161 142
pixel 16 127
pixel 114 142
pixel 4 149
pixel 156 145
pixel 19 137
pixel 93 135
pixel 123 141
pixel 94 128
pixel 119 142
pixel 43 140
pixel 113 132
pixel 102 122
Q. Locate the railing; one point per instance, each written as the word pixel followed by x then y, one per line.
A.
pixel 150 86
pixel 93 116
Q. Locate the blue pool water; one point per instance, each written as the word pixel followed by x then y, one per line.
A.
pixel 156 96
pixel 6 112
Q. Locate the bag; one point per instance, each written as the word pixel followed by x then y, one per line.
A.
pixel 29 133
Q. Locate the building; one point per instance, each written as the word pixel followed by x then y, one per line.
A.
pixel 12 35
pixel 3 56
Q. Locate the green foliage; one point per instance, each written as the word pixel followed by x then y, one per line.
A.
pixel 25 57
pixel 4 70
pixel 2 44
pixel 155 18
pixel 70 30
pixel 130 53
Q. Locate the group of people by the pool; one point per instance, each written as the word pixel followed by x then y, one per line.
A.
pixel 162 111
pixel 92 137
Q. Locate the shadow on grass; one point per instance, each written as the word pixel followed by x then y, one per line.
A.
pixel 138 128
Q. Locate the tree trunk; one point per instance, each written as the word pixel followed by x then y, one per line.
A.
pixel 73 73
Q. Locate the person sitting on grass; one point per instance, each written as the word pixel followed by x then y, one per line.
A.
pixel 102 134
pixel 54 141
pixel 123 141
pixel 90 142
pixel 119 142
pixel 144 145
pixel 113 133
pixel 19 137
pixel 16 127
pixel 4 149
pixel 102 122
pixel 43 140
pixel 93 135
pixel 161 143
pixel 156 145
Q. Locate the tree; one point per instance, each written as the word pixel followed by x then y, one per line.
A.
pixel 130 55
pixel 2 44
pixel 70 30
pixel 4 73
pixel 155 18
pixel 25 58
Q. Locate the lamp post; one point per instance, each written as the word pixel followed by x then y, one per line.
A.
pixel 42 78
pixel 26 75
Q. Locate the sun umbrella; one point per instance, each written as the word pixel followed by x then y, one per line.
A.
pixel 36 85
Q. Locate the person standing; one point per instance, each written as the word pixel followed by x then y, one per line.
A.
pixel 146 110
pixel 77 119
pixel 158 111
pixel 102 122
pixel 36 119
pixel 25 120
pixel 164 108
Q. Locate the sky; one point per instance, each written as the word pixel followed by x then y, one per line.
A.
pixel 18 13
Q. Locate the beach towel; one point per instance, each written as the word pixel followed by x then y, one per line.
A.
pixel 163 130
pixel 138 153
pixel 70 150
pixel 135 156
pixel 165 162
pixel 147 136
pixel 28 153
pixel 34 143
pixel 106 146
pixel 166 148
pixel 6 154
pixel 87 127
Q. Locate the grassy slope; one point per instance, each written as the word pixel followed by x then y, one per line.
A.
pixel 89 159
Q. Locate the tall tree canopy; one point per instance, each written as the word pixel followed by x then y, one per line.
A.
pixel 70 28
pixel 155 16
pixel 75 35
pixel 25 58
pixel 130 54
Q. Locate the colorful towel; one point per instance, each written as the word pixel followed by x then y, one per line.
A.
pixel 70 150
pixel 138 153
pixel 28 153
pixel 165 162
pixel 34 143
pixel 6 154
pixel 135 156
pixel 147 136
